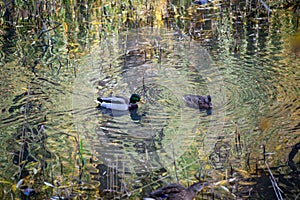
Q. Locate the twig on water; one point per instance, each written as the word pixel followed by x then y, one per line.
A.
pixel 160 54
pixel 238 145
pixel 45 28
pixel 144 86
pixel 265 5
pixel 276 188
pixel 256 166
pixel 174 161
pixel 24 142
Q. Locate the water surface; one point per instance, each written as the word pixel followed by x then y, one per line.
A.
pixel 51 130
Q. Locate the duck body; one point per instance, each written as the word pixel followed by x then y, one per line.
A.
pixel 118 103
pixel 197 101
pixel 176 192
pixel 202 2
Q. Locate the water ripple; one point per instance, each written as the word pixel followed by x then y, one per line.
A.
pixel 165 126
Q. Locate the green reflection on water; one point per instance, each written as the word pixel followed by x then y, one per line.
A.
pixel 41 46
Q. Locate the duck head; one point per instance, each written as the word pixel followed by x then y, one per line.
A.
pixel 208 101
pixel 197 187
pixel 134 98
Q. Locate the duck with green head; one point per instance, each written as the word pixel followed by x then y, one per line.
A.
pixel 119 103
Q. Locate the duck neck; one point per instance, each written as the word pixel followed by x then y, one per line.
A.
pixel 196 187
pixel 132 106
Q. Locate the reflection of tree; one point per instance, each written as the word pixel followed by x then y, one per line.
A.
pixel 8 38
pixel 47 37
pixel 32 150
pixel 92 21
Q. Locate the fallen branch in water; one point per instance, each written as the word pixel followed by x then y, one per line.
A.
pixel 46 29
pixel 237 137
pixel 276 188
pixel 266 6
pixel 174 162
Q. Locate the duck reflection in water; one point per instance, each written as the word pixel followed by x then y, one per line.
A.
pixel 199 102
pixel 119 106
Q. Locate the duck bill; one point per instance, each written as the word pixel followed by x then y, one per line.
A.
pixel 142 101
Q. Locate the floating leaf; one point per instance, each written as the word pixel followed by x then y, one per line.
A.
pixel 244 173
pixel 278 147
pixel 224 188
pixel 223 182
pixel 14 187
pixel 231 180
pixel 81 147
pixel 164 174
pixel 55 198
pixel 19 183
pixel 31 164
pixel 5 182
pixel 65 25
pixel 246 183
pixel 48 184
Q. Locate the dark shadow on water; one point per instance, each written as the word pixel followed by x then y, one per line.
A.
pixel 292 154
pixel 208 111
pixel 135 116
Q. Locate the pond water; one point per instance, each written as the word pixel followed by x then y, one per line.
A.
pixel 51 130
pixel 163 127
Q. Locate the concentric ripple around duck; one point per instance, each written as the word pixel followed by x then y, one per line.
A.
pixel 164 127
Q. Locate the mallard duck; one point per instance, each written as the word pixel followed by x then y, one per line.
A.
pixel 118 102
pixel 197 101
pixel 176 192
pixel 202 2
